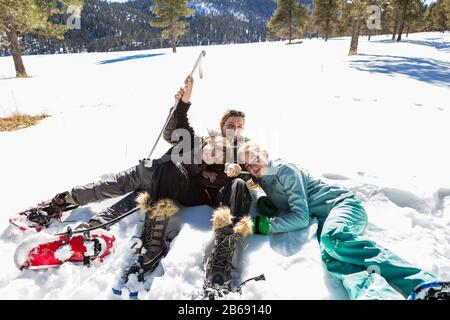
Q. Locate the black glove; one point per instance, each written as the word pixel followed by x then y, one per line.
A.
pixel 63 199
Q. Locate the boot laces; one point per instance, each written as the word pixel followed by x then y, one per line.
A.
pixel 223 253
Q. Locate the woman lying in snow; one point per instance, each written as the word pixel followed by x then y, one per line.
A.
pixel 342 219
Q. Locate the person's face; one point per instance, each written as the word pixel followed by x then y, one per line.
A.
pixel 233 126
pixel 256 162
pixel 212 155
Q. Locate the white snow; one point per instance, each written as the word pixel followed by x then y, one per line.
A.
pixel 64 253
pixel 376 123
pixel 21 255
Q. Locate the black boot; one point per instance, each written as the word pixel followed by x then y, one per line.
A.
pixel 153 247
pixel 153 244
pixel 218 265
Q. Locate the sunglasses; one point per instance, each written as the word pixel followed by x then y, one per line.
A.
pixel 234 113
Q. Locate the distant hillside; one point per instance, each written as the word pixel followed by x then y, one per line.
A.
pixel 125 26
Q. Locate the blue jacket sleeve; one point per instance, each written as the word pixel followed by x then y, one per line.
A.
pixel 292 182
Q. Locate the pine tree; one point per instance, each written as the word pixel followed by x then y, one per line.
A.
pixel 288 20
pixel 18 17
pixel 396 11
pixel 439 15
pixel 387 16
pixel 415 18
pixel 403 5
pixel 355 13
pixel 447 12
pixel 325 16
pixel 167 16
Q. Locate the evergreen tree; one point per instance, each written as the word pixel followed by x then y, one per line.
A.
pixel 167 16
pixel 19 17
pixel 447 11
pixel 396 11
pixel 415 18
pixel 288 20
pixel 325 16
pixel 439 16
pixel 353 12
pixel 403 6
pixel 388 15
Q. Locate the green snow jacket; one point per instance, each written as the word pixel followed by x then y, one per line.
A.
pixel 299 196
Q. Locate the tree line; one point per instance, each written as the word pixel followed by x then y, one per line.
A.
pixel 331 18
pixel 36 26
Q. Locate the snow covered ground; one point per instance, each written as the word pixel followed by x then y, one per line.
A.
pixel 377 123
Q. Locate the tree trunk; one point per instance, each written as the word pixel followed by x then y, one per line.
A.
pixel 402 19
pixel 355 37
pixel 11 33
pixel 407 31
pixel 370 33
pixel 395 27
pixel 327 26
pixel 174 43
pixel 290 27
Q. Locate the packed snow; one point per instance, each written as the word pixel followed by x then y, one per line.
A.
pixel 64 253
pixel 376 123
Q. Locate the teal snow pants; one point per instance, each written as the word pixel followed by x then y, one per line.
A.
pixel 367 270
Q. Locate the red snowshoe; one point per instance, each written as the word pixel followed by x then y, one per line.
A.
pixel 43 250
pixel 40 217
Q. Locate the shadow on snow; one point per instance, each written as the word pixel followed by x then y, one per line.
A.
pixel 428 42
pixel 134 57
pixel 422 69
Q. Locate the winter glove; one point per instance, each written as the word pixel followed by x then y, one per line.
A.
pixel 261 225
pixel 63 199
pixel 266 206
pixel 263 203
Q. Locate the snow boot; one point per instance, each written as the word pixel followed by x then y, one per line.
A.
pixel 219 263
pixel 153 247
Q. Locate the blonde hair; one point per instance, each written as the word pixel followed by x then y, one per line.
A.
pixel 247 147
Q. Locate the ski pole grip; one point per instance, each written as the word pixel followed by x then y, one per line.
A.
pixel 198 62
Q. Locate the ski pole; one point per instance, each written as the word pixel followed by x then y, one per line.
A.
pixel 100 225
pixel 258 278
pixel 197 64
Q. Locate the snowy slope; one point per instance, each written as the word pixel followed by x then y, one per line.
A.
pixel 377 123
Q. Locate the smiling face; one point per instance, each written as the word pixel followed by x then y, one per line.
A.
pixel 233 127
pixel 214 150
pixel 255 159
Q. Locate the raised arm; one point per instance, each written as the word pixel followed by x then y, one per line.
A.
pixel 179 119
